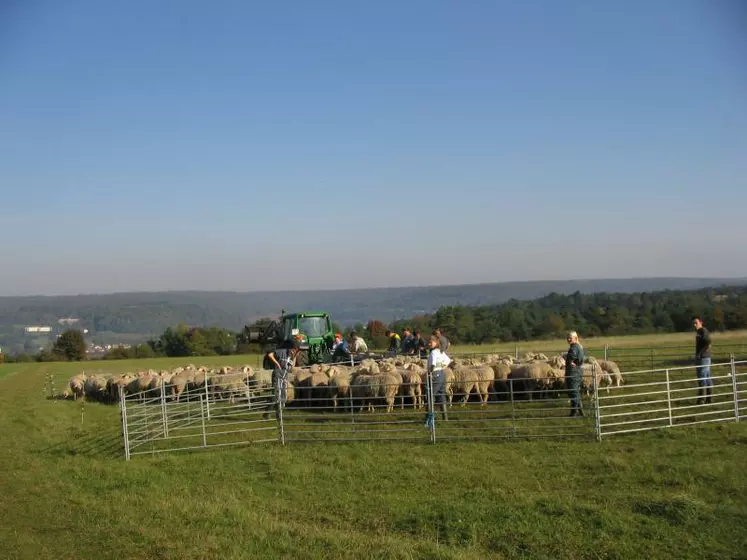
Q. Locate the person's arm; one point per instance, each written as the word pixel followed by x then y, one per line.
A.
pixel 274 359
pixel 706 340
pixel 431 360
pixel 572 357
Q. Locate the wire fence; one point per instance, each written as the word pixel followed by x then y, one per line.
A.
pixel 477 401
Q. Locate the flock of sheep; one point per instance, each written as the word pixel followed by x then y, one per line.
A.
pixel 370 384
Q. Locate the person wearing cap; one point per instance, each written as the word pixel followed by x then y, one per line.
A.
pixel 574 361
pixel 283 360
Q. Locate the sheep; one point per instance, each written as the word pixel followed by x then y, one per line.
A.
pixel 228 385
pixel 614 375
pixel 94 387
pixel 368 388
pixel 412 384
pixel 530 378
pixel 501 370
pixel 557 362
pixel 178 385
pixel 77 385
pixel 480 378
pixel 339 388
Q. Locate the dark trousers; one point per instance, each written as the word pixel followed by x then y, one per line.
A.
pixel 573 384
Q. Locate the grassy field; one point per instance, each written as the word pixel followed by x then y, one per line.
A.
pixel 66 492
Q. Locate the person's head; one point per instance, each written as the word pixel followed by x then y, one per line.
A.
pixel 572 337
pixel 295 347
pixel 353 335
pixel 433 341
pixel 388 333
pixel 437 331
pixel 338 337
pixel 406 332
pixel 697 322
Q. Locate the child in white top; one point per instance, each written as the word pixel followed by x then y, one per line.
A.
pixel 437 362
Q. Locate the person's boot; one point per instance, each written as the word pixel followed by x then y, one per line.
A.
pixel 580 411
pixel 708 392
pixel 700 397
pixel 444 414
pixel 573 413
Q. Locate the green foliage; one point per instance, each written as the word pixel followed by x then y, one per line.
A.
pixel 70 346
pixel 601 314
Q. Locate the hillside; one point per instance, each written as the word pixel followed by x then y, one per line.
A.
pixel 132 316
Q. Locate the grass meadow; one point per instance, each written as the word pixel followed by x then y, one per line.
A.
pixel 66 491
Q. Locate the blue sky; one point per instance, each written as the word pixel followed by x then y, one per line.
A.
pixel 205 145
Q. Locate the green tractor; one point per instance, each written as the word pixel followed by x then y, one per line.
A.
pixel 312 328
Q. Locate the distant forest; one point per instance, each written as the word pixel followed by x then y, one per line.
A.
pixel 551 316
pixel 590 314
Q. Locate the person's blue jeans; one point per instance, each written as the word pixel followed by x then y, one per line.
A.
pixel 704 372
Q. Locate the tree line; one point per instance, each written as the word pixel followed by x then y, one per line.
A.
pixel 551 316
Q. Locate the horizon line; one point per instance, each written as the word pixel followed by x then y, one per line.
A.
pixel 370 288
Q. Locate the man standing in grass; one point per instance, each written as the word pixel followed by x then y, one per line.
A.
pixel 574 359
pixel 283 360
pixel 703 361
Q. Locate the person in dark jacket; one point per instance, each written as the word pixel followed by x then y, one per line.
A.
pixel 573 373
pixel 408 342
pixel 703 361
pixel 420 344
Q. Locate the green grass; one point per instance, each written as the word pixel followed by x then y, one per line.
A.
pixel 66 492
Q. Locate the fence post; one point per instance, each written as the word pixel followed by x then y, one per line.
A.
pixel 735 388
pixel 652 357
pixel 606 351
pixel 597 419
pixel 207 396
pixel 202 420
pixel 164 411
pixel 513 411
pixel 279 405
pixel 669 400
pixel 431 408
pixel 123 414
pixel 516 351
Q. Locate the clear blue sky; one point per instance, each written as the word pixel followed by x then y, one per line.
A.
pixel 209 145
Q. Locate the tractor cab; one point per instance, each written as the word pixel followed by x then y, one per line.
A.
pixel 312 329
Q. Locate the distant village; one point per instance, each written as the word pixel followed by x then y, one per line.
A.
pixel 71 322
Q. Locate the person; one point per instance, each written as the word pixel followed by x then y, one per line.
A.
pixel 408 342
pixel 574 361
pixel 283 360
pixel 419 343
pixel 443 342
pixel 340 349
pixel 703 361
pixel 357 344
pixel 437 362
pixel 395 342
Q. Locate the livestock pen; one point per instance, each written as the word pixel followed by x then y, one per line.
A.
pixel 395 409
